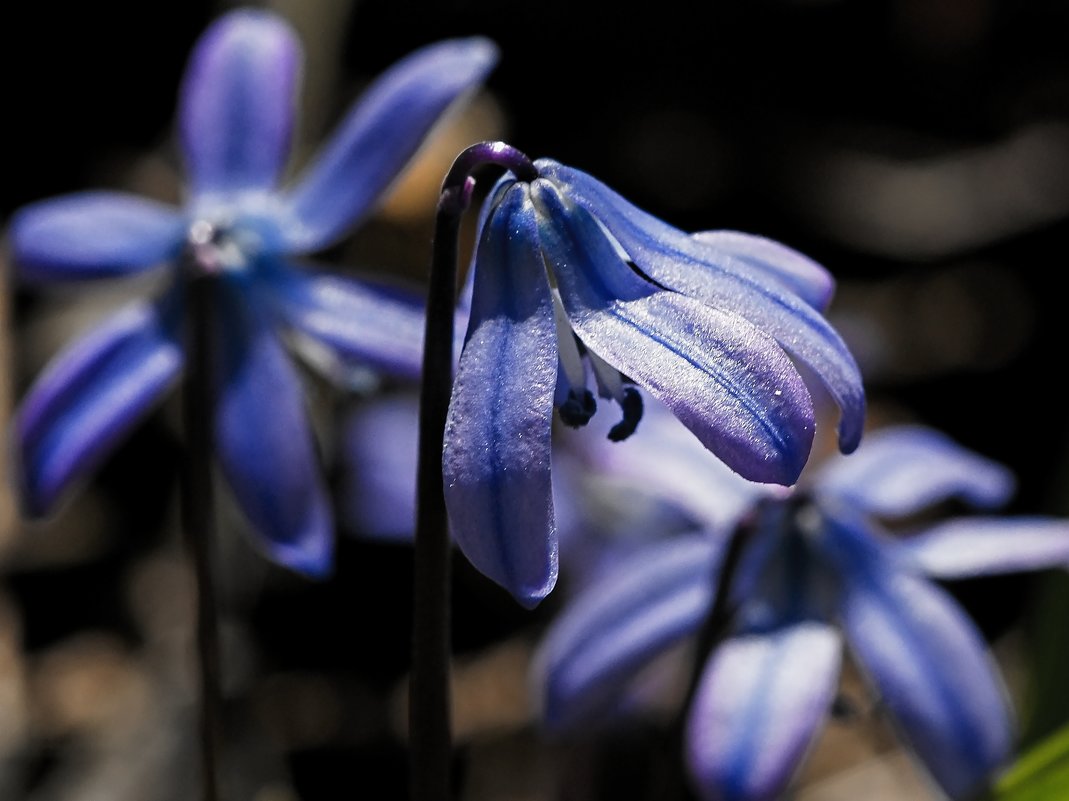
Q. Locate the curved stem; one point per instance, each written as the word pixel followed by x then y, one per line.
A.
pixel 430 728
pixel 198 520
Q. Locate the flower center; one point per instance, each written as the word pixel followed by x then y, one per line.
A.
pixel 214 247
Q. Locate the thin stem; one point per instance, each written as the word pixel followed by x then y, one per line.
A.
pixel 430 727
pixel 711 634
pixel 198 518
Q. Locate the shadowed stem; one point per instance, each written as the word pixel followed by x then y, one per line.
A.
pixel 430 727
pixel 198 519
pixel 712 633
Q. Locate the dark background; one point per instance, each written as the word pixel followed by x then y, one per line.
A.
pixel 919 149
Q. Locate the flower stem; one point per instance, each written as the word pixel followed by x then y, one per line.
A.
pixel 712 633
pixel 198 519
pixel 430 728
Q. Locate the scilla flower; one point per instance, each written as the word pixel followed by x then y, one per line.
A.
pixel 576 291
pixel 818 569
pixel 243 232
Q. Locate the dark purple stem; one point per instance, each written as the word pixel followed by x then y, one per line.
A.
pixel 430 728
pixel 198 518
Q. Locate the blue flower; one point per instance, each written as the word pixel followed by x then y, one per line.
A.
pixel 245 233
pixel 571 280
pixel 818 568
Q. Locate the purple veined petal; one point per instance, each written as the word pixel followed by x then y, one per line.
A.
pixel 684 264
pixel 238 102
pixel 375 325
pixel 380 135
pixel 264 441
pixel 618 625
pixel 90 397
pixel 904 469
pixel 795 271
pixel 729 383
pixel 93 235
pixel 381 443
pixel 928 662
pixel 983 546
pixel 496 460
pixel 761 698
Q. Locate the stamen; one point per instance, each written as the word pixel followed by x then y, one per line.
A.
pixel 631 403
pixel 578 408
pixel 567 347
pixel 610 384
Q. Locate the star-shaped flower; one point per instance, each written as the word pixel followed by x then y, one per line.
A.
pixel 818 568
pixel 244 232
pixel 570 280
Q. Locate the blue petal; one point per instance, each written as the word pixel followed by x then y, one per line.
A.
pixel 668 465
pixel 905 469
pixel 90 397
pixel 774 261
pixel 618 625
pixel 681 263
pixel 376 325
pixel 264 441
pixel 238 101
pixel 93 234
pixel 497 438
pixel 927 660
pixel 724 379
pixel 380 135
pixel 380 446
pixel 981 546
pixel 761 698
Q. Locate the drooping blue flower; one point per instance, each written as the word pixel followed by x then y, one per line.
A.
pixel 243 231
pixel 571 282
pixel 820 569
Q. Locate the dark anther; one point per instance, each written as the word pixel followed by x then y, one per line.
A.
pixel 578 409
pixel 632 406
pixel 845 709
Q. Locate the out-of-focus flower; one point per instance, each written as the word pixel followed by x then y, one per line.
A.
pixel 571 279
pixel 243 232
pixel 818 567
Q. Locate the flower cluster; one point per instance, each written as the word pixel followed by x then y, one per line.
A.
pixel 245 234
pixel 715 344
pixel 819 566
pixel 570 279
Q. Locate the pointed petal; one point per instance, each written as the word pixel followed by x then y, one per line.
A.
pixel 619 624
pixel 497 438
pixel 927 660
pixel 237 104
pixel 686 265
pixel 89 398
pixel 761 698
pixel 725 380
pixel 774 261
pixel 93 235
pixel 376 325
pixel 981 546
pixel 380 135
pixel 904 469
pixel 264 441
